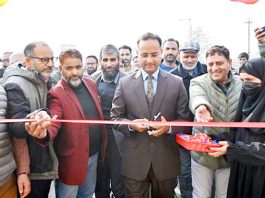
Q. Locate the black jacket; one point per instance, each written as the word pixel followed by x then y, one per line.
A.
pixel 200 69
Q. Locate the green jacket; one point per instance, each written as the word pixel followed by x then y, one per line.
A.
pixel 204 91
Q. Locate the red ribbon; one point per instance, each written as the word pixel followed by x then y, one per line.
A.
pixel 151 123
pixel 246 1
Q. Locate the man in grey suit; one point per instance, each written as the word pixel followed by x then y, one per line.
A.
pixel 151 155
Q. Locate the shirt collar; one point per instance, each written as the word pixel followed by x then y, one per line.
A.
pixel 145 75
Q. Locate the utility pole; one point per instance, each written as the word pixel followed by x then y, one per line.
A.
pixel 248 23
pixel 190 28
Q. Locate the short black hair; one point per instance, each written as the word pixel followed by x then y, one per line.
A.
pixel 219 49
pixel 171 39
pixel 243 55
pixel 126 47
pixel 69 53
pixel 92 56
pixel 109 49
pixel 150 36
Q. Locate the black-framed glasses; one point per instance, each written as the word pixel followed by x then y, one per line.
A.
pixel 46 60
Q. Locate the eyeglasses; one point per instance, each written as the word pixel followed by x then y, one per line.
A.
pixel 46 60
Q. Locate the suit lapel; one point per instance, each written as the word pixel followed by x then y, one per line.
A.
pixel 162 85
pixel 138 86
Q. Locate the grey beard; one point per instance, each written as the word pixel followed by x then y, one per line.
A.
pixel 73 83
pixel 109 76
pixel 189 68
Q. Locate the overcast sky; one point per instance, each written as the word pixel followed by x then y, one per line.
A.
pixel 90 24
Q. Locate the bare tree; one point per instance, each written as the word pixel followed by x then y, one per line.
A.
pixel 201 36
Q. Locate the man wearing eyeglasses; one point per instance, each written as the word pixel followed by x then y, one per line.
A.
pixel 150 155
pixel 26 92
pixel 77 146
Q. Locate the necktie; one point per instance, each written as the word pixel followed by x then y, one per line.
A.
pixel 150 90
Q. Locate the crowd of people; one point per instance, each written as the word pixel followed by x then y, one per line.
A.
pixel 135 159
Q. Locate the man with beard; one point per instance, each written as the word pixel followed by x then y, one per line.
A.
pixel 26 90
pixel 77 145
pixel 91 65
pixel 107 80
pixel 126 57
pixel 170 54
pixel 188 69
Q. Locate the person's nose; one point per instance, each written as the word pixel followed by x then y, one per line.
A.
pixel 50 64
pixel 75 71
pixel 170 51
pixel 190 60
pixel 214 67
pixel 149 59
pixel 109 64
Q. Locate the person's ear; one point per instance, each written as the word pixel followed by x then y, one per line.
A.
pixel 230 63
pixel 28 62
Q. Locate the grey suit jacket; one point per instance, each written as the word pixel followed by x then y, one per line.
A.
pixel 141 150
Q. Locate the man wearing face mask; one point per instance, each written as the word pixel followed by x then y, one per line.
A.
pixel 188 69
